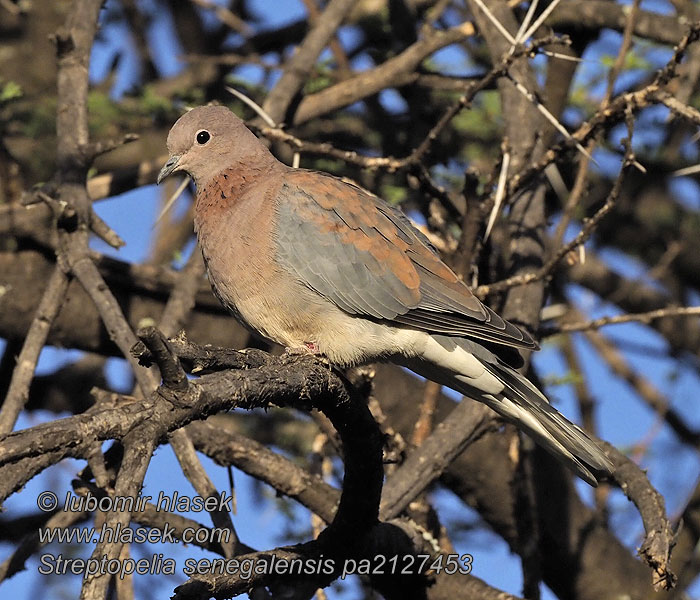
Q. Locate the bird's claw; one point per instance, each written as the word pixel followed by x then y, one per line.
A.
pixel 307 348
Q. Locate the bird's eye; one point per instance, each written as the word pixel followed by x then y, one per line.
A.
pixel 203 137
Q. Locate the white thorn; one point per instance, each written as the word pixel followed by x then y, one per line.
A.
pixel 541 19
pixel 553 311
pixel 256 107
pixel 500 193
pixel 566 57
pixel 639 166
pixel 557 182
pixel 550 117
pixel 691 170
pixel 495 21
pixel 524 25
pixel 171 200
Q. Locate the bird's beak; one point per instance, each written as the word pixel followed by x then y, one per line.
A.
pixel 168 167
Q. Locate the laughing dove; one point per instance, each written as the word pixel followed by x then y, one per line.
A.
pixel 317 264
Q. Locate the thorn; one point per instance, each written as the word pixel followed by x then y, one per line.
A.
pixel 639 166
pixel 500 193
pixel 551 118
pixel 566 57
pixel 541 19
pixel 255 106
pixel 171 200
pixel 691 170
pixel 557 182
pixel 495 21
pixel 524 25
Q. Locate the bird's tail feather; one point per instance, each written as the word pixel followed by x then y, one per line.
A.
pixel 514 398
pixel 563 439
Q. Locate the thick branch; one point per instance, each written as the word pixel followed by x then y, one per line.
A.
pixel 388 74
pixel 302 62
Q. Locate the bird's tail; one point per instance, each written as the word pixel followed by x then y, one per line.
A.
pixel 475 372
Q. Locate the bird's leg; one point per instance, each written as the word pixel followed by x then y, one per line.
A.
pixel 307 348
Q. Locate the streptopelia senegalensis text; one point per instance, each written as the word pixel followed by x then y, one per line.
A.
pixel 311 262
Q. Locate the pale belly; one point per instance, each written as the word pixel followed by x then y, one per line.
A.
pixel 282 310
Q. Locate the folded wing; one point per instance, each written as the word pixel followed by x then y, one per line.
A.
pixel 366 257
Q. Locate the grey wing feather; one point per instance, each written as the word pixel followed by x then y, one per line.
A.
pixel 349 277
pixel 309 246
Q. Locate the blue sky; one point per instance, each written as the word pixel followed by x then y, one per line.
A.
pixel 622 418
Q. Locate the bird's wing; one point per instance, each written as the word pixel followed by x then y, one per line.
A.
pixel 365 256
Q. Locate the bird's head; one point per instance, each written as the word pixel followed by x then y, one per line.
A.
pixel 208 140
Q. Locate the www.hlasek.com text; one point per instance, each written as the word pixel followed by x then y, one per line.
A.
pixel 202 536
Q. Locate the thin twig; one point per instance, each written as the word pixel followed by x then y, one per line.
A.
pixel 465 424
pixel 561 56
pixel 587 406
pixel 177 309
pixel 398 70
pixel 18 392
pixel 392 164
pixel 660 537
pixel 137 456
pixel 689 112
pixel 11 7
pixel 104 231
pixel 582 173
pixel 686 171
pixel 589 226
pixel 264 116
pixel 631 101
pixel 644 388
pixel 645 317
pixel 63 519
pixel 194 471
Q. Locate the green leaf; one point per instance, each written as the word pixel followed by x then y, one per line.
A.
pixel 10 91
pixel 393 194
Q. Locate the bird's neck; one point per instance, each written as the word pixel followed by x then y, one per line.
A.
pixel 224 191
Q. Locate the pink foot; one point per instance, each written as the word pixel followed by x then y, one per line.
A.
pixel 307 348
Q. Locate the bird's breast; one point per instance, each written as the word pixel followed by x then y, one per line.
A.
pixel 238 249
